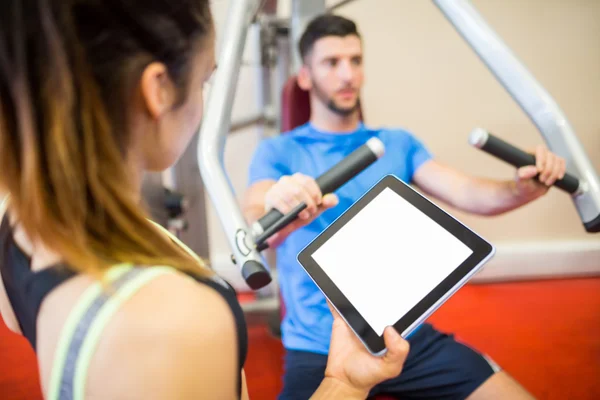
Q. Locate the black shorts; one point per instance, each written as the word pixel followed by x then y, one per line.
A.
pixel 438 367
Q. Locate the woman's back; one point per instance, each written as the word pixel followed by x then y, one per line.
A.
pixel 173 335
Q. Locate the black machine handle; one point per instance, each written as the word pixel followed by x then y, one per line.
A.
pixel 330 181
pixel 517 157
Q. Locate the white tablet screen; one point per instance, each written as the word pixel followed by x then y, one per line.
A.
pixel 388 258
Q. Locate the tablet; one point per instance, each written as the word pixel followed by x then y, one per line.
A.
pixel 392 258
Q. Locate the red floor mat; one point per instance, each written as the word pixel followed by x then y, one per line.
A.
pixel 18 368
pixel 545 334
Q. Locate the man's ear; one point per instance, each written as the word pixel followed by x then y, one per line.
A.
pixel 304 80
pixel 157 89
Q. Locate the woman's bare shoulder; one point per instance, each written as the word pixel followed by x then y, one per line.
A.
pixel 175 338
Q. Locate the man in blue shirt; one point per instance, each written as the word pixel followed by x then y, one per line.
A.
pixel 282 175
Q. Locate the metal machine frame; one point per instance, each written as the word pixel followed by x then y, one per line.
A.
pixel 533 99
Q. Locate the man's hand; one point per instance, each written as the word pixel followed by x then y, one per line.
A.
pixel 549 167
pixel 350 363
pixel 292 190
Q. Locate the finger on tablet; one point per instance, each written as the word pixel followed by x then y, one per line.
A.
pixel 332 309
pixel 396 345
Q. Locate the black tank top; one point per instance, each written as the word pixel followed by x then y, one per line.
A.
pixel 26 289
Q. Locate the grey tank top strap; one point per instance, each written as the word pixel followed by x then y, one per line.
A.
pixel 81 332
pixel 85 324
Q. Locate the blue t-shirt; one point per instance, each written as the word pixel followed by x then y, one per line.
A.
pixel 308 321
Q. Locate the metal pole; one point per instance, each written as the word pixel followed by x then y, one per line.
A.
pixel 338 5
pixel 535 101
pixel 213 133
pixel 280 75
pixel 247 122
pixel 302 12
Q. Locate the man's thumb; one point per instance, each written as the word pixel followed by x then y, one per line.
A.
pixel 330 200
pixel 527 172
pixel 397 346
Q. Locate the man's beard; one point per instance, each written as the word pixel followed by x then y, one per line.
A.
pixel 330 103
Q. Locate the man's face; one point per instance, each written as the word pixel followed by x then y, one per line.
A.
pixel 334 72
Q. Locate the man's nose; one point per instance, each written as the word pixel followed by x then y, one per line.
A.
pixel 345 70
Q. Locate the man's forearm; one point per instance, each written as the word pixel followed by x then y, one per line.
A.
pixel 253 206
pixel 467 193
pixel 489 197
pixel 253 214
pixel 333 389
pixel 253 202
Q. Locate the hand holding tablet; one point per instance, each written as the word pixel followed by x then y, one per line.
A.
pixel 351 363
pixel 392 259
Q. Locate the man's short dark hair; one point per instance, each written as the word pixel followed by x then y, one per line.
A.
pixel 325 25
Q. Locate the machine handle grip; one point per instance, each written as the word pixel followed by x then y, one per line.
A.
pixel 351 166
pixel 269 219
pixel 329 182
pixel 507 152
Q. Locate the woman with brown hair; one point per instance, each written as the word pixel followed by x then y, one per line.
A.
pixel 92 94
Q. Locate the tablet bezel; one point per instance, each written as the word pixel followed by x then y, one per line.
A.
pixel 482 251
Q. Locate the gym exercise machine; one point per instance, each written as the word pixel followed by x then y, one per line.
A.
pixel 535 101
pixel 279 58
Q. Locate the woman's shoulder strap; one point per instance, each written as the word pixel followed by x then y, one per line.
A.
pixel 3 203
pixel 86 322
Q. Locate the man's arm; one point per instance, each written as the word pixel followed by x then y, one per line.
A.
pixel 284 195
pixel 265 170
pixel 253 208
pixel 486 196
pixel 253 202
pixel 333 389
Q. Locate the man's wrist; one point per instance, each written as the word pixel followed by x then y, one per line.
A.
pixel 517 191
pixel 524 191
pixel 513 188
pixel 333 388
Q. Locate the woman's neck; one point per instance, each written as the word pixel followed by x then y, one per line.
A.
pixel 136 176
